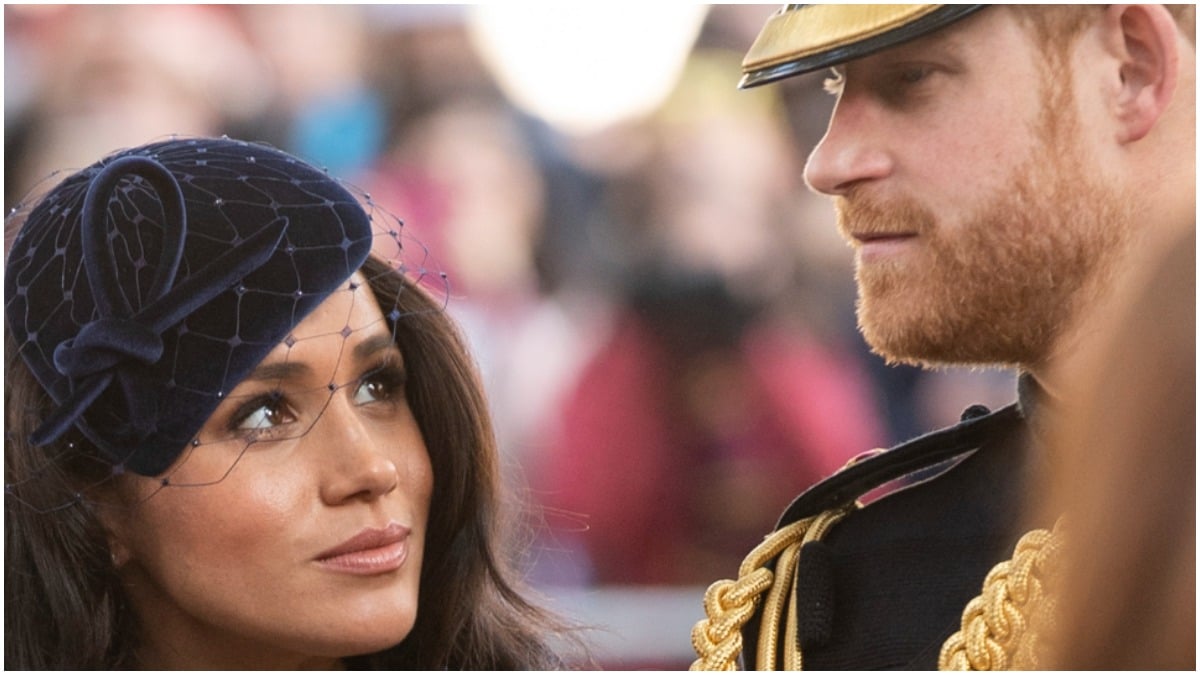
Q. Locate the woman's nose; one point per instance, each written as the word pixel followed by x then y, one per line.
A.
pixel 850 152
pixel 355 462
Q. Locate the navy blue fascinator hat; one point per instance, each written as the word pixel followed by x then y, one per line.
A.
pixel 142 289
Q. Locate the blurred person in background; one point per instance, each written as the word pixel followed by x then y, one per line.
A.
pixel 82 80
pixel 477 188
pixel 997 170
pixel 321 103
pixel 484 183
pixel 705 403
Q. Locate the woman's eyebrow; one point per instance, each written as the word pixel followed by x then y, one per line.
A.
pixel 286 370
pixel 373 345
pixel 283 370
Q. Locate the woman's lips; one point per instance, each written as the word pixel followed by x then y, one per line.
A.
pixel 371 551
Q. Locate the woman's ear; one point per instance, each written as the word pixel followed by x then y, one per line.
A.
pixel 120 553
pixel 110 511
pixel 1144 40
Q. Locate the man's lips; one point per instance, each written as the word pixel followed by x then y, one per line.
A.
pixel 371 551
pixel 870 237
pixel 878 246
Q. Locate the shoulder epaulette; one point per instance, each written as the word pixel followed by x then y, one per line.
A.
pixel 922 452
pixel 735 609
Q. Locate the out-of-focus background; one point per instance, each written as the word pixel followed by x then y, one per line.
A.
pixel 663 314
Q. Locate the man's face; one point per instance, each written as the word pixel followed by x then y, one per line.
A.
pixel 962 177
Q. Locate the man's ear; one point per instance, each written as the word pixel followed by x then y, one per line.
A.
pixel 1143 38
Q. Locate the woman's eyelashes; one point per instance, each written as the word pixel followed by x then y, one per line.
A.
pixel 271 411
pixel 382 384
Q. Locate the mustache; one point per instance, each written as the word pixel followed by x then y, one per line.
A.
pixel 859 215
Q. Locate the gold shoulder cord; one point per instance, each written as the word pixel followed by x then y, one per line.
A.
pixel 730 604
pixel 1003 627
pixel 996 629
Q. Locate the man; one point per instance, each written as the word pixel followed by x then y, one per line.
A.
pixel 994 168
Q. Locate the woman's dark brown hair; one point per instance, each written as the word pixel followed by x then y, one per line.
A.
pixel 64 601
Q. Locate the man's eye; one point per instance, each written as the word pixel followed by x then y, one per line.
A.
pixel 914 75
pixel 907 84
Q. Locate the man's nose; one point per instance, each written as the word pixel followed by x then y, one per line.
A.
pixel 851 152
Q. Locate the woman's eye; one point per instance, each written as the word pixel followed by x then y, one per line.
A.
pixel 381 385
pixel 265 413
pixel 369 391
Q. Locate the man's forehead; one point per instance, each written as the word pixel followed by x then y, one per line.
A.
pixel 940 45
pixel 803 38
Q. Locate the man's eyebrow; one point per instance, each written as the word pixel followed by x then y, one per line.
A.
pixel 944 43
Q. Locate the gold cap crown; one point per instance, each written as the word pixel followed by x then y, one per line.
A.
pixel 802 38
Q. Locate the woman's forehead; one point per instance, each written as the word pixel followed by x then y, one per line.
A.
pixel 348 318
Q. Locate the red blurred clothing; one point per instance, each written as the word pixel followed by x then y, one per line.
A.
pixel 676 463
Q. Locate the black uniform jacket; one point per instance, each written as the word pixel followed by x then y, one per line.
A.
pixel 888 584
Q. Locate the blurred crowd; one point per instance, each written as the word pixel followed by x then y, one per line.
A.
pixel 662 312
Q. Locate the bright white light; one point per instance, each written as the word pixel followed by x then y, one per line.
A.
pixel 583 66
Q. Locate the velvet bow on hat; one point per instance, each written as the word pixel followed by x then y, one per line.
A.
pixel 142 289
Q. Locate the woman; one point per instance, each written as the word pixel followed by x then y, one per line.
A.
pixel 237 440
